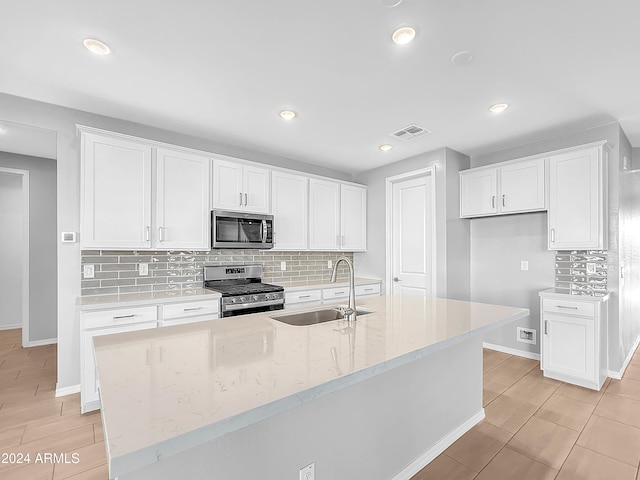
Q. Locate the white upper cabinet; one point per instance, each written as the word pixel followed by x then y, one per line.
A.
pixel 324 215
pixel 240 187
pixel 353 217
pixel 522 186
pixel 478 191
pixel 577 199
pixel 512 187
pixel 116 193
pixel 337 216
pixel 289 202
pixel 133 201
pixel 182 200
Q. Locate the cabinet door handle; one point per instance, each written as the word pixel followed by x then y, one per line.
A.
pixel 147 233
pixel 191 309
pixel 504 200
pixel 160 236
pixel 245 199
pixel 569 308
pixel 546 327
pixel 493 201
pixel 119 317
pixel 240 198
pixel 553 235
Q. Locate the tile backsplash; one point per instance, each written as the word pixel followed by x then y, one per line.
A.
pixel 117 271
pixel 581 272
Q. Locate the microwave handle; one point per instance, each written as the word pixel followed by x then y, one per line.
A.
pixel 263 231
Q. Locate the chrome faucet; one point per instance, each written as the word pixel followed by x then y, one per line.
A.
pixel 350 312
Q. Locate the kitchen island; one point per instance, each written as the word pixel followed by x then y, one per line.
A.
pixel 252 397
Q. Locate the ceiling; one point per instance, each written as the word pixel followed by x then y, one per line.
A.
pixel 224 69
pixel 27 140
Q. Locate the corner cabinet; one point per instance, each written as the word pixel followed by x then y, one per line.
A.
pixel 578 199
pixel 337 216
pixel 137 197
pixel 574 339
pixel 513 187
pixel 237 186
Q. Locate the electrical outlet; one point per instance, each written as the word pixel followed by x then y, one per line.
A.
pixel 283 266
pixel 524 265
pixel 308 472
pixel 89 271
pixel 143 269
pixel 329 263
pixel 526 335
pixel 591 268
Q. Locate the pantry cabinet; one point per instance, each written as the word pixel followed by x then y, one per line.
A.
pixel 577 199
pixel 237 186
pixel 289 203
pixel 137 197
pixel 574 333
pixel 337 216
pixel 516 186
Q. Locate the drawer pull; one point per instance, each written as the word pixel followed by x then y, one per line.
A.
pixel 191 309
pixel 568 308
pixel 368 289
pixel 304 296
pixel 119 317
pixel 338 293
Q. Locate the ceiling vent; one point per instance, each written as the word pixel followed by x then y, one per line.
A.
pixel 411 132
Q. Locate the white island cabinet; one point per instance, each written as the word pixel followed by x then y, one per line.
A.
pixel 404 381
pixel 574 338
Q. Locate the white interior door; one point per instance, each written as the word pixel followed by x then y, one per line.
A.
pixel 12 252
pixel 412 235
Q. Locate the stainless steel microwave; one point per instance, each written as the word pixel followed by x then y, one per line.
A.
pixel 241 230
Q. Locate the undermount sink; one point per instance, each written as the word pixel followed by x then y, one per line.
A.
pixel 316 316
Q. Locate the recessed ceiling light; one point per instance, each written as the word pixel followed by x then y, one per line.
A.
pixel 386 147
pixel 498 107
pixel 288 114
pixel 96 46
pixel 403 35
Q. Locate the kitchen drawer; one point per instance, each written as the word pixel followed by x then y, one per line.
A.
pixel 363 290
pixel 302 296
pixel 120 316
pixel 569 307
pixel 337 292
pixel 190 309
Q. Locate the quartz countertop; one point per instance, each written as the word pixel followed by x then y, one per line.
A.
pixel 167 390
pixel 297 286
pixel 561 293
pixel 95 302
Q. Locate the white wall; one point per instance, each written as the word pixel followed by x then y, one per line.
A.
pixel 12 248
pixel 452 234
pixel 63 121
pixel 42 244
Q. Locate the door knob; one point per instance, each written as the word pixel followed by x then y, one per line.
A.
pixel 396 279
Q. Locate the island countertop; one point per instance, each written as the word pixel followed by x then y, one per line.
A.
pixel 166 390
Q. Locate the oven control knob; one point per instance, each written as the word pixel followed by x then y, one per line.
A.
pixel 267 296
pixel 232 300
pixel 255 298
pixel 242 299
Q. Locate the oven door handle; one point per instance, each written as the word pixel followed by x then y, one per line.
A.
pixel 239 306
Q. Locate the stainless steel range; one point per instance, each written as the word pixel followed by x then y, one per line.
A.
pixel 242 289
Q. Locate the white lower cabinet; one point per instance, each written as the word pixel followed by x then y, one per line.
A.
pixel 302 298
pixel 106 322
pixel 112 320
pixel 574 339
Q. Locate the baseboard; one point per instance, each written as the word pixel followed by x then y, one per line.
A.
pixel 444 443
pixel 511 351
pixel 10 327
pixel 62 391
pixel 625 364
pixel 40 343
